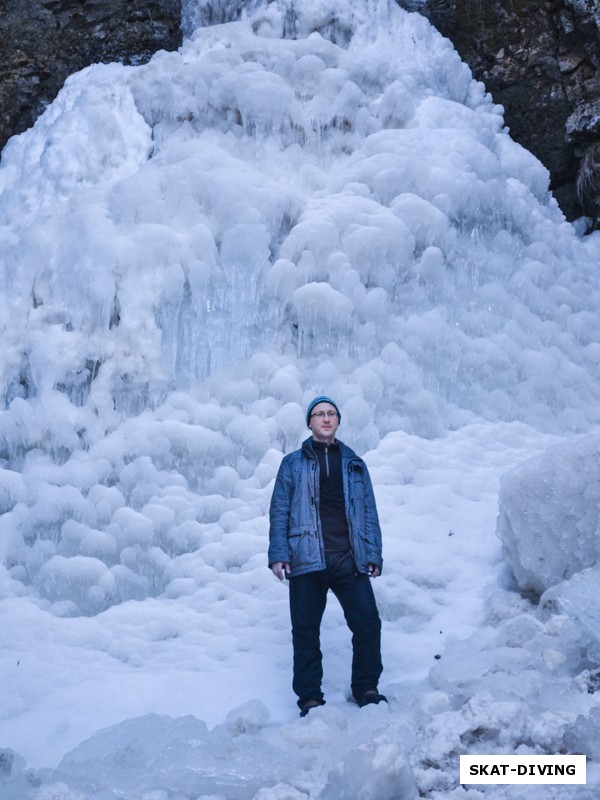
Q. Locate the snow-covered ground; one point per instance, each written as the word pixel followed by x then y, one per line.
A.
pixel 298 201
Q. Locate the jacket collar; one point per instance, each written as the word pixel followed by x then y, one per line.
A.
pixel 347 452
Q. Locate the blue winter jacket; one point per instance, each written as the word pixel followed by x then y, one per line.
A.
pixel 295 534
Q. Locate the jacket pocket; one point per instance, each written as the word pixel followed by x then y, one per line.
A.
pixel 302 546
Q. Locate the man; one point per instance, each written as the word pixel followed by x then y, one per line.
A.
pixel 325 534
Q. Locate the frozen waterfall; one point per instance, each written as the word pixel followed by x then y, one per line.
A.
pixel 306 197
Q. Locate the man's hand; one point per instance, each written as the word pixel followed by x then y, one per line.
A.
pixel 374 570
pixel 280 568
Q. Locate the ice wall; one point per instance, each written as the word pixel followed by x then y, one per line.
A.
pixel 338 22
pixel 191 249
pixel 359 206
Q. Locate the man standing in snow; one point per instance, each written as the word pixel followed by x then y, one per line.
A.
pixel 325 534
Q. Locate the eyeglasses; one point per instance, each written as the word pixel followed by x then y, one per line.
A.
pixel 323 414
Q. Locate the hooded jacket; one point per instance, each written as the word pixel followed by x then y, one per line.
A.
pixel 295 534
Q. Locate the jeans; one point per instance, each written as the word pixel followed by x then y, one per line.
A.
pixel 308 597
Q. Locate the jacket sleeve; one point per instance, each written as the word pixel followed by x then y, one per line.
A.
pixel 373 529
pixel 279 515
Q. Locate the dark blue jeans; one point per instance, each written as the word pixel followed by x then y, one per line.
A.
pixel 308 597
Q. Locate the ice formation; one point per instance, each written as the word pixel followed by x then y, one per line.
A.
pixel 191 248
pixel 304 198
pixel 548 522
pixel 550 514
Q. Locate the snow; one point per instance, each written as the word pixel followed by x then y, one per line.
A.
pixel 301 200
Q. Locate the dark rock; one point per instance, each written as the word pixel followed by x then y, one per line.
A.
pixel 588 185
pixel 45 41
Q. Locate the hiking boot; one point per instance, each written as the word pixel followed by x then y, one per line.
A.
pixel 310 704
pixel 371 696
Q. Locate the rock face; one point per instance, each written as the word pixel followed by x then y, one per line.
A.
pixel 540 59
pixel 45 41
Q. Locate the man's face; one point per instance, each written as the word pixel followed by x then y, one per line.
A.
pixel 324 422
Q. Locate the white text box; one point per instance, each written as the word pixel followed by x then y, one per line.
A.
pixel 522 769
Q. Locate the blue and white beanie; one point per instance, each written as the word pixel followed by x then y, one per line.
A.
pixel 321 399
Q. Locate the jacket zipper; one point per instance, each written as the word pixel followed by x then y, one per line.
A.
pixel 313 500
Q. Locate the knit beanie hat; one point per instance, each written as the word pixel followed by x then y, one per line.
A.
pixel 320 399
